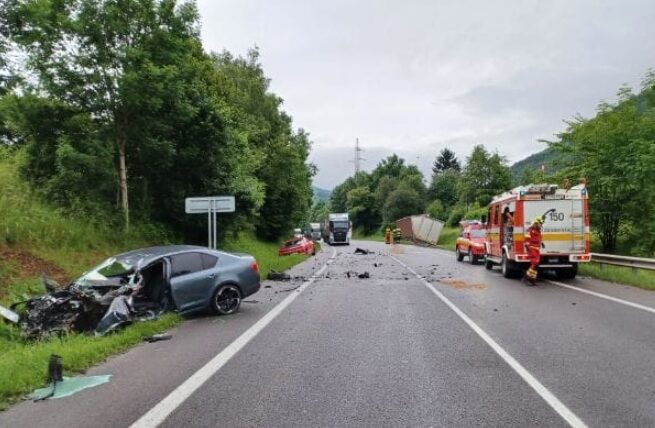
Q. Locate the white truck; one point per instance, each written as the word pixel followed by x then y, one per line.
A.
pixel 337 229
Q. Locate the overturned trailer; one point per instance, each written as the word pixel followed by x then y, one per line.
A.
pixel 420 229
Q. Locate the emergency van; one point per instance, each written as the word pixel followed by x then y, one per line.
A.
pixel 565 229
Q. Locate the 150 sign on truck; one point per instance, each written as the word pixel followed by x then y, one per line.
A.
pixel 565 231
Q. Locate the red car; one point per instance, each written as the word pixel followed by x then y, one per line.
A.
pixel 471 241
pixel 297 245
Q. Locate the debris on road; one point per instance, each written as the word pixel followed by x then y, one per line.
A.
pixel 9 315
pixel 67 387
pixel 278 276
pixel 363 251
pixel 364 275
pixel 157 338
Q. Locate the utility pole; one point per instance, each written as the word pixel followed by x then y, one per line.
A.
pixel 358 157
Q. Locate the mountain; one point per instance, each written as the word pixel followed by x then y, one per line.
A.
pixel 321 194
pixel 547 157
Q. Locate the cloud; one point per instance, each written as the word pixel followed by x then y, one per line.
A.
pixel 414 77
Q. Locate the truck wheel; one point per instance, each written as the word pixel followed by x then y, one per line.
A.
pixel 459 254
pixel 488 264
pixel 567 273
pixel 506 268
pixel 472 259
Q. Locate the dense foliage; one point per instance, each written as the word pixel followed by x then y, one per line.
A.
pixel 394 189
pixel 615 152
pixel 120 110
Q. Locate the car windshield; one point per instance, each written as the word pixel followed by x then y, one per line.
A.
pixel 477 233
pixel 111 267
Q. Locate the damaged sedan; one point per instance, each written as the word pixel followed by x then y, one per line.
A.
pixel 141 284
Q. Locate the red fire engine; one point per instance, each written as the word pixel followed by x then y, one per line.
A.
pixel 565 231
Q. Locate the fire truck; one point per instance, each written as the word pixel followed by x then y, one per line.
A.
pixel 565 229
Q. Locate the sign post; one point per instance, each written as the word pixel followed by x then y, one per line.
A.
pixel 211 205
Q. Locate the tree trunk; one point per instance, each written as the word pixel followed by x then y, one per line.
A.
pixel 122 176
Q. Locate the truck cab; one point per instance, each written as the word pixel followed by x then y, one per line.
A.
pixel 337 229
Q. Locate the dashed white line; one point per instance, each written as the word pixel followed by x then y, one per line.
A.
pixel 604 296
pixel 571 418
pixel 164 408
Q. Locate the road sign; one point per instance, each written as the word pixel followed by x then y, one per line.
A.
pixel 202 205
pixel 210 205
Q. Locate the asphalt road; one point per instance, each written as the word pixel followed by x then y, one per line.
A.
pixel 425 341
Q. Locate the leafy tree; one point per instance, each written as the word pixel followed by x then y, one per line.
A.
pixel 319 212
pixel 362 209
pixel 103 57
pixel 615 152
pixel 484 176
pixel 436 210
pixel 402 202
pixel 339 196
pixel 444 187
pixel 445 161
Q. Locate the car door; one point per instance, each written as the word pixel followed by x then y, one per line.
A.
pixel 191 283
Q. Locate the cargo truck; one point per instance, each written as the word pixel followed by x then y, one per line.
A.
pixel 337 229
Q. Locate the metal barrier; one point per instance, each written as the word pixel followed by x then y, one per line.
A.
pixel 625 261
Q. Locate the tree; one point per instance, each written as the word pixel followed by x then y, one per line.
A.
pixel 484 176
pixel 445 161
pixel 444 187
pixel 615 152
pixel 103 56
pixel 402 202
pixel 362 209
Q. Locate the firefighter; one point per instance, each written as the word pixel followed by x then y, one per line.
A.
pixel 387 236
pixel 534 246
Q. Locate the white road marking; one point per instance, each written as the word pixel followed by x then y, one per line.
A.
pixel 164 408
pixel 604 296
pixel 539 388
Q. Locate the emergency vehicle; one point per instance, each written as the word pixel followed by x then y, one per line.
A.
pixel 565 229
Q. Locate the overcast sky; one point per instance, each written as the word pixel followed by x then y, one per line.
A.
pixel 413 77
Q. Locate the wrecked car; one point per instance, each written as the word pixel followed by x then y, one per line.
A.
pixel 141 284
pixel 297 245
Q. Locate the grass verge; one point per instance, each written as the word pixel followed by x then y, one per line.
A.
pixel 34 237
pixel 448 237
pixel 641 278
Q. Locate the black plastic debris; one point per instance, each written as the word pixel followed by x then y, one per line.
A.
pixel 362 251
pixel 157 338
pixel 364 275
pixel 278 276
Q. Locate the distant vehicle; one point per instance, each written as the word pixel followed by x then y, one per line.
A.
pixel 297 245
pixel 565 230
pixel 337 229
pixel 313 231
pixel 297 232
pixel 470 242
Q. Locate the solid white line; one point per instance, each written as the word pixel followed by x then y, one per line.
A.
pixel 539 388
pixel 604 296
pixel 164 408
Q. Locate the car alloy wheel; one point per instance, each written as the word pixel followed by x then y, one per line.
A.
pixel 227 300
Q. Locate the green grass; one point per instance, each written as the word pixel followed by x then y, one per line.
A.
pixel 448 237
pixel 265 253
pixel 73 244
pixel 641 278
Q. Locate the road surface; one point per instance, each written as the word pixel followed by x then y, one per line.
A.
pixel 425 341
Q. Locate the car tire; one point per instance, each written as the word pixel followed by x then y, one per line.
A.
pixel 226 300
pixel 472 259
pixel 507 269
pixel 459 254
pixel 488 264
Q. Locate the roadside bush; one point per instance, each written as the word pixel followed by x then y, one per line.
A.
pixel 456 215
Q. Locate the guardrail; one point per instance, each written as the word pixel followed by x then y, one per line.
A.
pixel 625 261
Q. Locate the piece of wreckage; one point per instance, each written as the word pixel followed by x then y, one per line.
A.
pixel 140 285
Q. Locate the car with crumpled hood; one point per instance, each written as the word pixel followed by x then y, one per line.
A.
pixel 141 284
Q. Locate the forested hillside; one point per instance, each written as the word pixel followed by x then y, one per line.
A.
pixel 120 116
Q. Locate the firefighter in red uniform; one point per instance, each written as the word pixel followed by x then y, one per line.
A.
pixel 534 248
